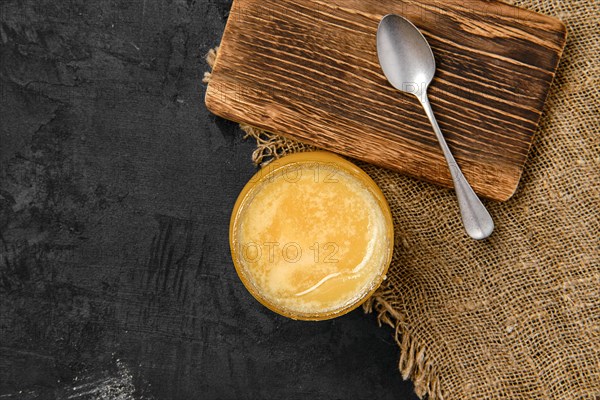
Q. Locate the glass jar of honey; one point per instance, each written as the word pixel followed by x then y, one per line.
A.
pixel 311 236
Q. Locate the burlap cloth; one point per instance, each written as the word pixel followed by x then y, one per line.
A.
pixel 517 315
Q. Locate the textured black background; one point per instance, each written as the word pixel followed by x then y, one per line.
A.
pixel 116 190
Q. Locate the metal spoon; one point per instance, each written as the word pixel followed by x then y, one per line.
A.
pixel 408 63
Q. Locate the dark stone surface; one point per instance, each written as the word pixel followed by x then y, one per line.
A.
pixel 116 187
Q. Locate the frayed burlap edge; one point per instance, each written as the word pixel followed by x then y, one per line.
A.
pixel 413 363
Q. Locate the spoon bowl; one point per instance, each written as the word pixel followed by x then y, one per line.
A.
pixel 409 65
pixel 404 54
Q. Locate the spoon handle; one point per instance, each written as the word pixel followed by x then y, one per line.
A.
pixel 476 219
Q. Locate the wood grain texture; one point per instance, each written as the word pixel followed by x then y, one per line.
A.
pixel 308 69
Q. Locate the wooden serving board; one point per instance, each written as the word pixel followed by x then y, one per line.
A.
pixel 308 69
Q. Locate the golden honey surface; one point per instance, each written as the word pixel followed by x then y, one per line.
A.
pixel 311 239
